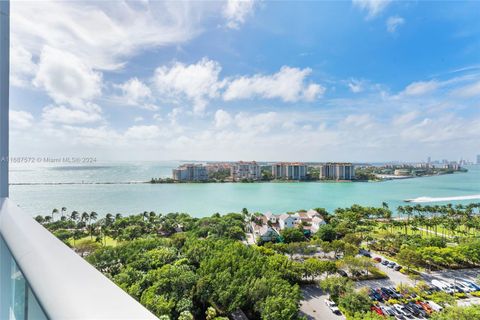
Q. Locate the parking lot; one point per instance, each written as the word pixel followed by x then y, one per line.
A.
pixel 313 304
pixel 394 278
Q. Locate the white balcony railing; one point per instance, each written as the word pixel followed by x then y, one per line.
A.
pixel 42 278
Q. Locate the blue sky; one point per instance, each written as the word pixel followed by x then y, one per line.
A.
pixel 364 80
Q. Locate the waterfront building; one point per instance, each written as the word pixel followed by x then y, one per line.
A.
pixel 190 172
pixel 337 171
pixel 289 171
pixel 478 158
pixel 265 233
pixel 402 172
pixel 287 220
pixel 245 171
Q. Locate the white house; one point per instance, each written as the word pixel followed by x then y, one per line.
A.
pixel 312 213
pixel 316 223
pixel 266 233
pixel 271 217
pixel 287 221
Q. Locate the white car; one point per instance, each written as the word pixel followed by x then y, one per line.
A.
pixel 435 307
pixel 333 306
pixel 443 286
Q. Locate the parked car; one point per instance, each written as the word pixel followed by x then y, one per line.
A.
pixel 417 310
pixel 332 306
pixel 445 287
pixel 465 287
pixel 383 294
pixel 377 259
pixel 365 253
pixel 385 262
pixel 473 285
pixel 377 310
pixel 402 311
pixel 434 306
pixel 375 295
pixel 397 268
pixel 387 310
pixel 428 309
pixel 393 293
pixel 391 264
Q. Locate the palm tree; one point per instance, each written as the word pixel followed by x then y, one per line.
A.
pixel 63 210
pixel 85 217
pixel 74 216
pixel 105 228
pixel 92 217
pixel 54 212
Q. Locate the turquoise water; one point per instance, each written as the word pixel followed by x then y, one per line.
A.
pixel 206 199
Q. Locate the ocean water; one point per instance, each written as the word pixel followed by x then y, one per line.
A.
pixel 39 189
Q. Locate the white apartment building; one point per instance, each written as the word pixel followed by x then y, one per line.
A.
pixel 190 172
pixel 337 171
pixel 289 171
pixel 243 170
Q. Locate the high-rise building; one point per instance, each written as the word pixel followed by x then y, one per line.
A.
pixel 190 172
pixel 245 171
pixel 289 171
pixel 478 158
pixel 337 171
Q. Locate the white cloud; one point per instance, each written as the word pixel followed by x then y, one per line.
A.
pixel 288 84
pixel 256 123
pixel 373 7
pixel 359 120
pixel 88 113
pixel 100 136
pixel 138 119
pixel 22 67
pixel 20 119
pixel 143 132
pixel 356 86
pixel 135 92
pixel 97 32
pixel 468 91
pixel 405 118
pixel 236 12
pixel 222 118
pixel 421 87
pixel 196 82
pixel 66 78
pixel 393 23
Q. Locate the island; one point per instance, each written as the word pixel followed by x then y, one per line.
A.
pixel 253 171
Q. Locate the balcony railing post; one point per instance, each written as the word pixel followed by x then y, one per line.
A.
pixel 4 90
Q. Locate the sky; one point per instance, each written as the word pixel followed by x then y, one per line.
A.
pixel 361 80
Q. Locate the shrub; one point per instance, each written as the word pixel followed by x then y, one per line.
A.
pixel 460 295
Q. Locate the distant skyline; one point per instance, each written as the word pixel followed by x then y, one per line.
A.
pixel 360 81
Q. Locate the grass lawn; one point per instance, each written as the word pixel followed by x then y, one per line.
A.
pixel 461 231
pixel 79 242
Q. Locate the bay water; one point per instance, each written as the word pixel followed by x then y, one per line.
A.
pixel 116 188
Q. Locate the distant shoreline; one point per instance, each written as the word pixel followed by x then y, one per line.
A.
pixel 383 179
pixel 73 183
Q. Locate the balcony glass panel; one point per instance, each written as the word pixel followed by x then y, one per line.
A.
pixel 17 301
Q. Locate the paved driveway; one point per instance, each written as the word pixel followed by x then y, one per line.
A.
pixel 313 304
